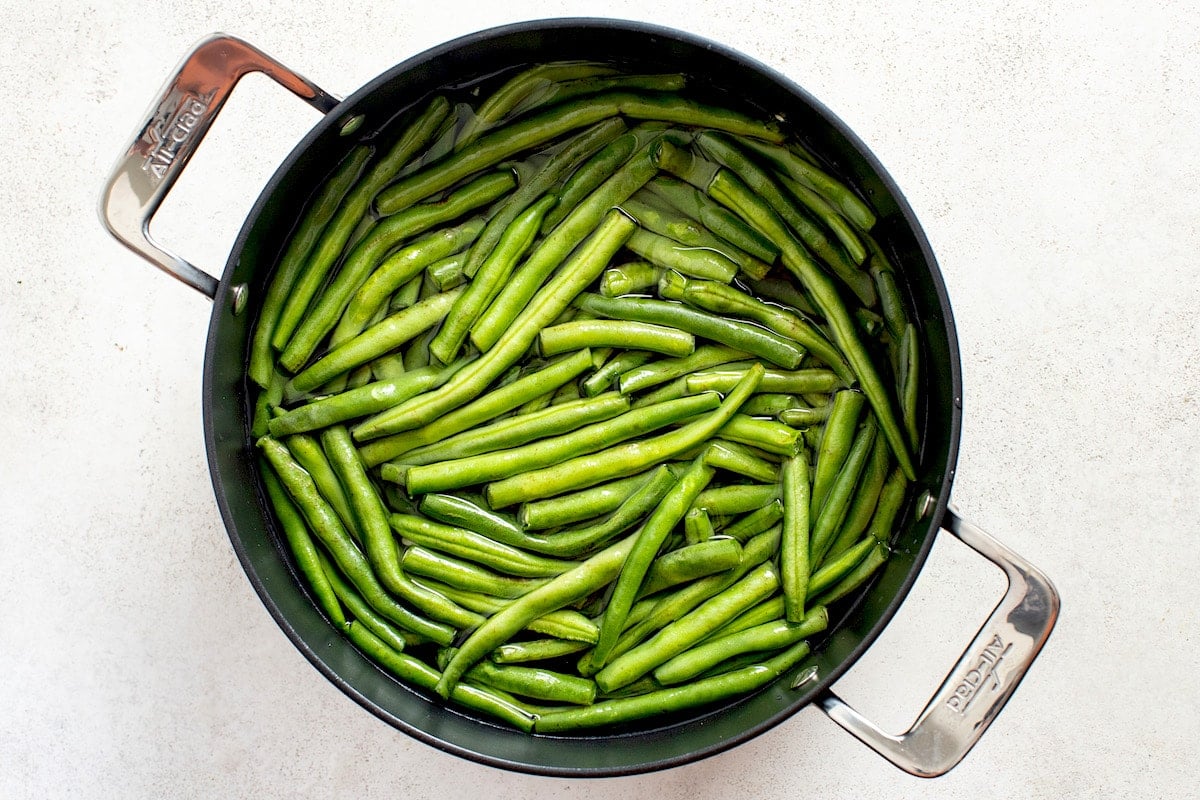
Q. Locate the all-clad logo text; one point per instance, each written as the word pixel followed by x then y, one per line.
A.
pixel 171 132
pixel 980 675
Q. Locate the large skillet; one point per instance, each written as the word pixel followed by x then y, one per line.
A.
pixel 976 688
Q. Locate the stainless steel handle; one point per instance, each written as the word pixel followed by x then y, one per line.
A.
pixel 983 679
pixel 174 127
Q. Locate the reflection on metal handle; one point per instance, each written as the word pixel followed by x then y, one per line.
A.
pixel 175 125
pixel 983 679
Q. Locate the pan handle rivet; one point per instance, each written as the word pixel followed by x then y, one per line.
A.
pixel 239 294
pixel 925 505
pixel 807 676
pixel 351 125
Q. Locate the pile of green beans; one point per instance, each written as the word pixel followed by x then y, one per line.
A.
pixel 585 403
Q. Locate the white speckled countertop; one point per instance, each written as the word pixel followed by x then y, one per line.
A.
pixel 1052 154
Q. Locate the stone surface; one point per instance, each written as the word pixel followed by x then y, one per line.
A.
pixel 1052 153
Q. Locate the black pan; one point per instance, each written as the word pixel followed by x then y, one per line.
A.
pixel 976 687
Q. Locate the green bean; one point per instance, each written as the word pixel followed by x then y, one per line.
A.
pixel 548 178
pixel 536 650
pixel 634 276
pixel 713 217
pixel 363 613
pixel 582 267
pixel 768 636
pixel 795 558
pixel 266 402
pixel 564 90
pixel 369 399
pixel 574 584
pixel 891 500
pixel 756 522
pixel 463 574
pixel 773 437
pixel 535 683
pixel 589 175
pixel 520 429
pixel 729 155
pixel 461 512
pixel 857 577
pixel 519 88
pixel 352 210
pixel 307 557
pixel 607 375
pixel 833 220
pixel 582 221
pixel 483 409
pixel 493 271
pixel 308 231
pixel 891 303
pixel 446 274
pixel 706 556
pixel 307 452
pixel 681 634
pixel 554 512
pixel 802 417
pixel 661 371
pixel 834 569
pixel 325 525
pixel 733 499
pixel 594 333
pixel 740 335
pixel 697 526
pixel 770 404
pixel 806 172
pixel 909 380
pixel 866 497
pixel 649 540
pixel 398 269
pixel 697 262
pixel 841 491
pixel 553 450
pixel 722 299
pixel 739 459
pixel 563 623
pixel 656 215
pixel 769 610
pixel 417 673
pixel 731 191
pixel 475 547
pixel 374 342
pixel 622 459
pixel 788 292
pixel 803 381
pixel 835 444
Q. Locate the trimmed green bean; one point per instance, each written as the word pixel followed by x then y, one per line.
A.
pixel 830 216
pixel 554 512
pixel 634 276
pixel 476 547
pixel 733 499
pixel 658 216
pixel 773 437
pixel 462 513
pixel 375 341
pixel 740 459
pixel 841 491
pixel 802 381
pixel 803 417
pixel 909 383
pixel 308 454
pixel 807 173
pixel 536 650
pixel 589 175
pixel 464 574
pixel 722 222
pixel 533 682
pixel 308 231
pixel 857 577
pixel 756 522
pixel 770 404
pixel 891 500
pixel 607 375
pixel 563 623
pixel 622 459
pixel 697 526
pixel 866 497
pixel 706 556
pixel 835 444
pixel 697 262
pixel 834 569
pixel 663 370
pixel 795 558
pixel 361 610
pixel 560 91
pixel 580 333
pixel 742 336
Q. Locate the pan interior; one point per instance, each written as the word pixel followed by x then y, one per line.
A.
pixel 484 59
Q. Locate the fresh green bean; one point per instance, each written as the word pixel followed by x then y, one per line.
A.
pixel 554 512
pixel 841 491
pixel 634 276
pixel 577 334
pixel 582 267
pixel 721 299
pixel 547 452
pixel 493 271
pixel 859 575
pixel 308 232
pixel 803 381
pixel 834 569
pixel 734 193
pixel 536 650
pixel 369 399
pixel 768 636
pixel 835 444
pixel 710 215
pixel 697 262
pixel 742 336
pixel 519 429
pixel 307 452
pixel 464 574
pixel 363 613
pixel 607 375
pixel 622 459
pixel 891 500
pixel 325 525
pixel 773 437
pixel 663 370
pixel 697 526
pixel 445 274
pixel 740 459
pixel 337 232
pixel 832 219
pixel 756 522
pixel 736 498
pixel 801 417
pixel 479 411
pixel 563 623
pixel 374 342
pixel 909 380
pixel 649 540
pixel 308 558
pixel 891 303
pixel 706 556
pixel 656 215
pixel 684 632
pixel 589 175
pixel 535 683
pixel 417 673
pixel 770 404
pixel 559 91
pixel 461 512
pixel 795 559
pixel 476 547
pixel 787 292
pixel 866 497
